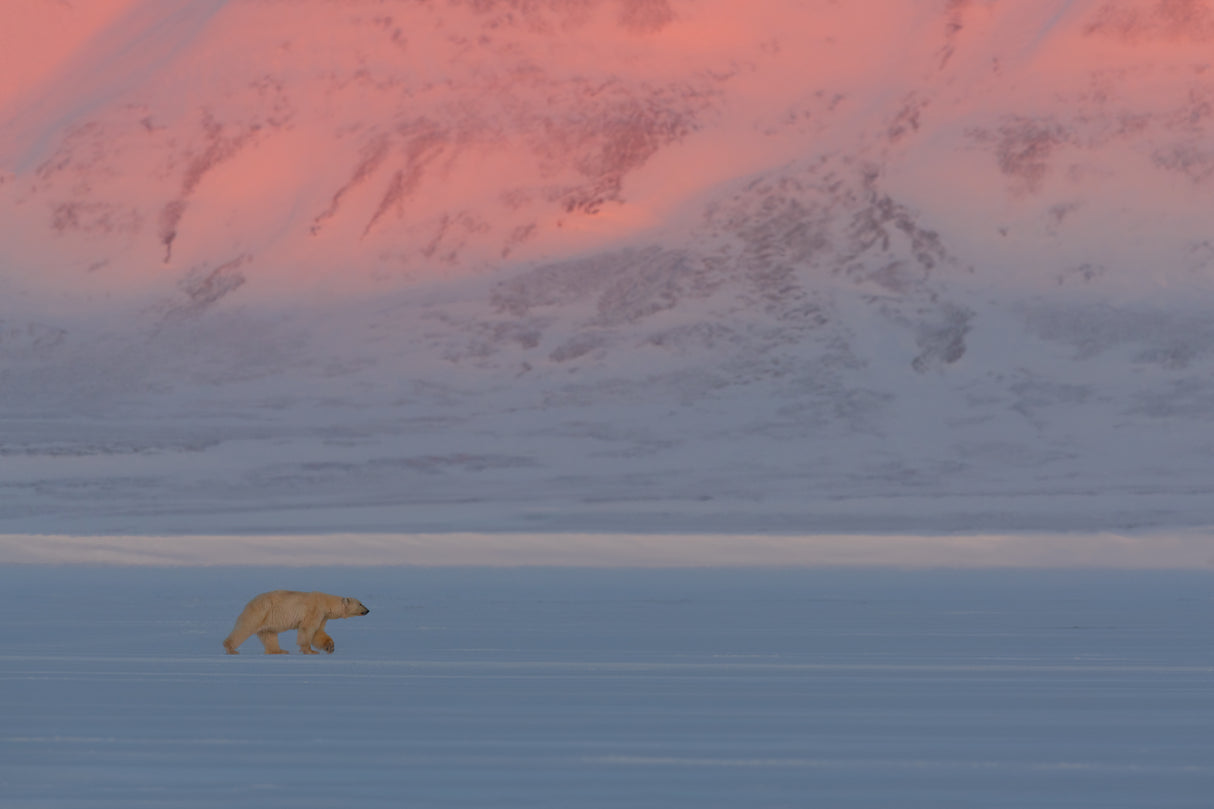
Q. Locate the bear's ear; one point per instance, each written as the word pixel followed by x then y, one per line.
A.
pixel 345 603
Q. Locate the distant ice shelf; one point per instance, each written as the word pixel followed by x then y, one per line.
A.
pixel 1193 550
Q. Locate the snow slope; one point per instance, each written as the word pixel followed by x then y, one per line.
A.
pixel 637 265
pixel 574 688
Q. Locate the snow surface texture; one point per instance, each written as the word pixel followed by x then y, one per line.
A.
pixel 612 265
pixel 576 689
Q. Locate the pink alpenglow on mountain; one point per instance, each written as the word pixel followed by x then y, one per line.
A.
pixel 370 143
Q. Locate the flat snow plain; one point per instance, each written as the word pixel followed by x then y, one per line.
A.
pixel 613 687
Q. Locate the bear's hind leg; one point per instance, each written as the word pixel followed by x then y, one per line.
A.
pixel 238 636
pixel 251 617
pixel 270 641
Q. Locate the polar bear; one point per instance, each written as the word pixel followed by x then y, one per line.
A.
pixel 279 610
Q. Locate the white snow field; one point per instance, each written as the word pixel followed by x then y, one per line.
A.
pixel 624 687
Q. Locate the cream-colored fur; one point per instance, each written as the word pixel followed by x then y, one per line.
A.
pixel 279 610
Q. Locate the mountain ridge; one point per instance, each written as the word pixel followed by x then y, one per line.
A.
pixel 568 264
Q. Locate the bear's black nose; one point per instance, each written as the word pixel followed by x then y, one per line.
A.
pixel 366 611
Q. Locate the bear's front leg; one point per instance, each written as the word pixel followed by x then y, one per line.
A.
pixel 304 638
pixel 270 641
pixel 322 641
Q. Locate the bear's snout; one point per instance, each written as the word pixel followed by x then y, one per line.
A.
pixel 365 611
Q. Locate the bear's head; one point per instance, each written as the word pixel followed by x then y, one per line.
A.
pixel 352 606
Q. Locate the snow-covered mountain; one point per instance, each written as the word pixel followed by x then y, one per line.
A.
pixel 606 264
